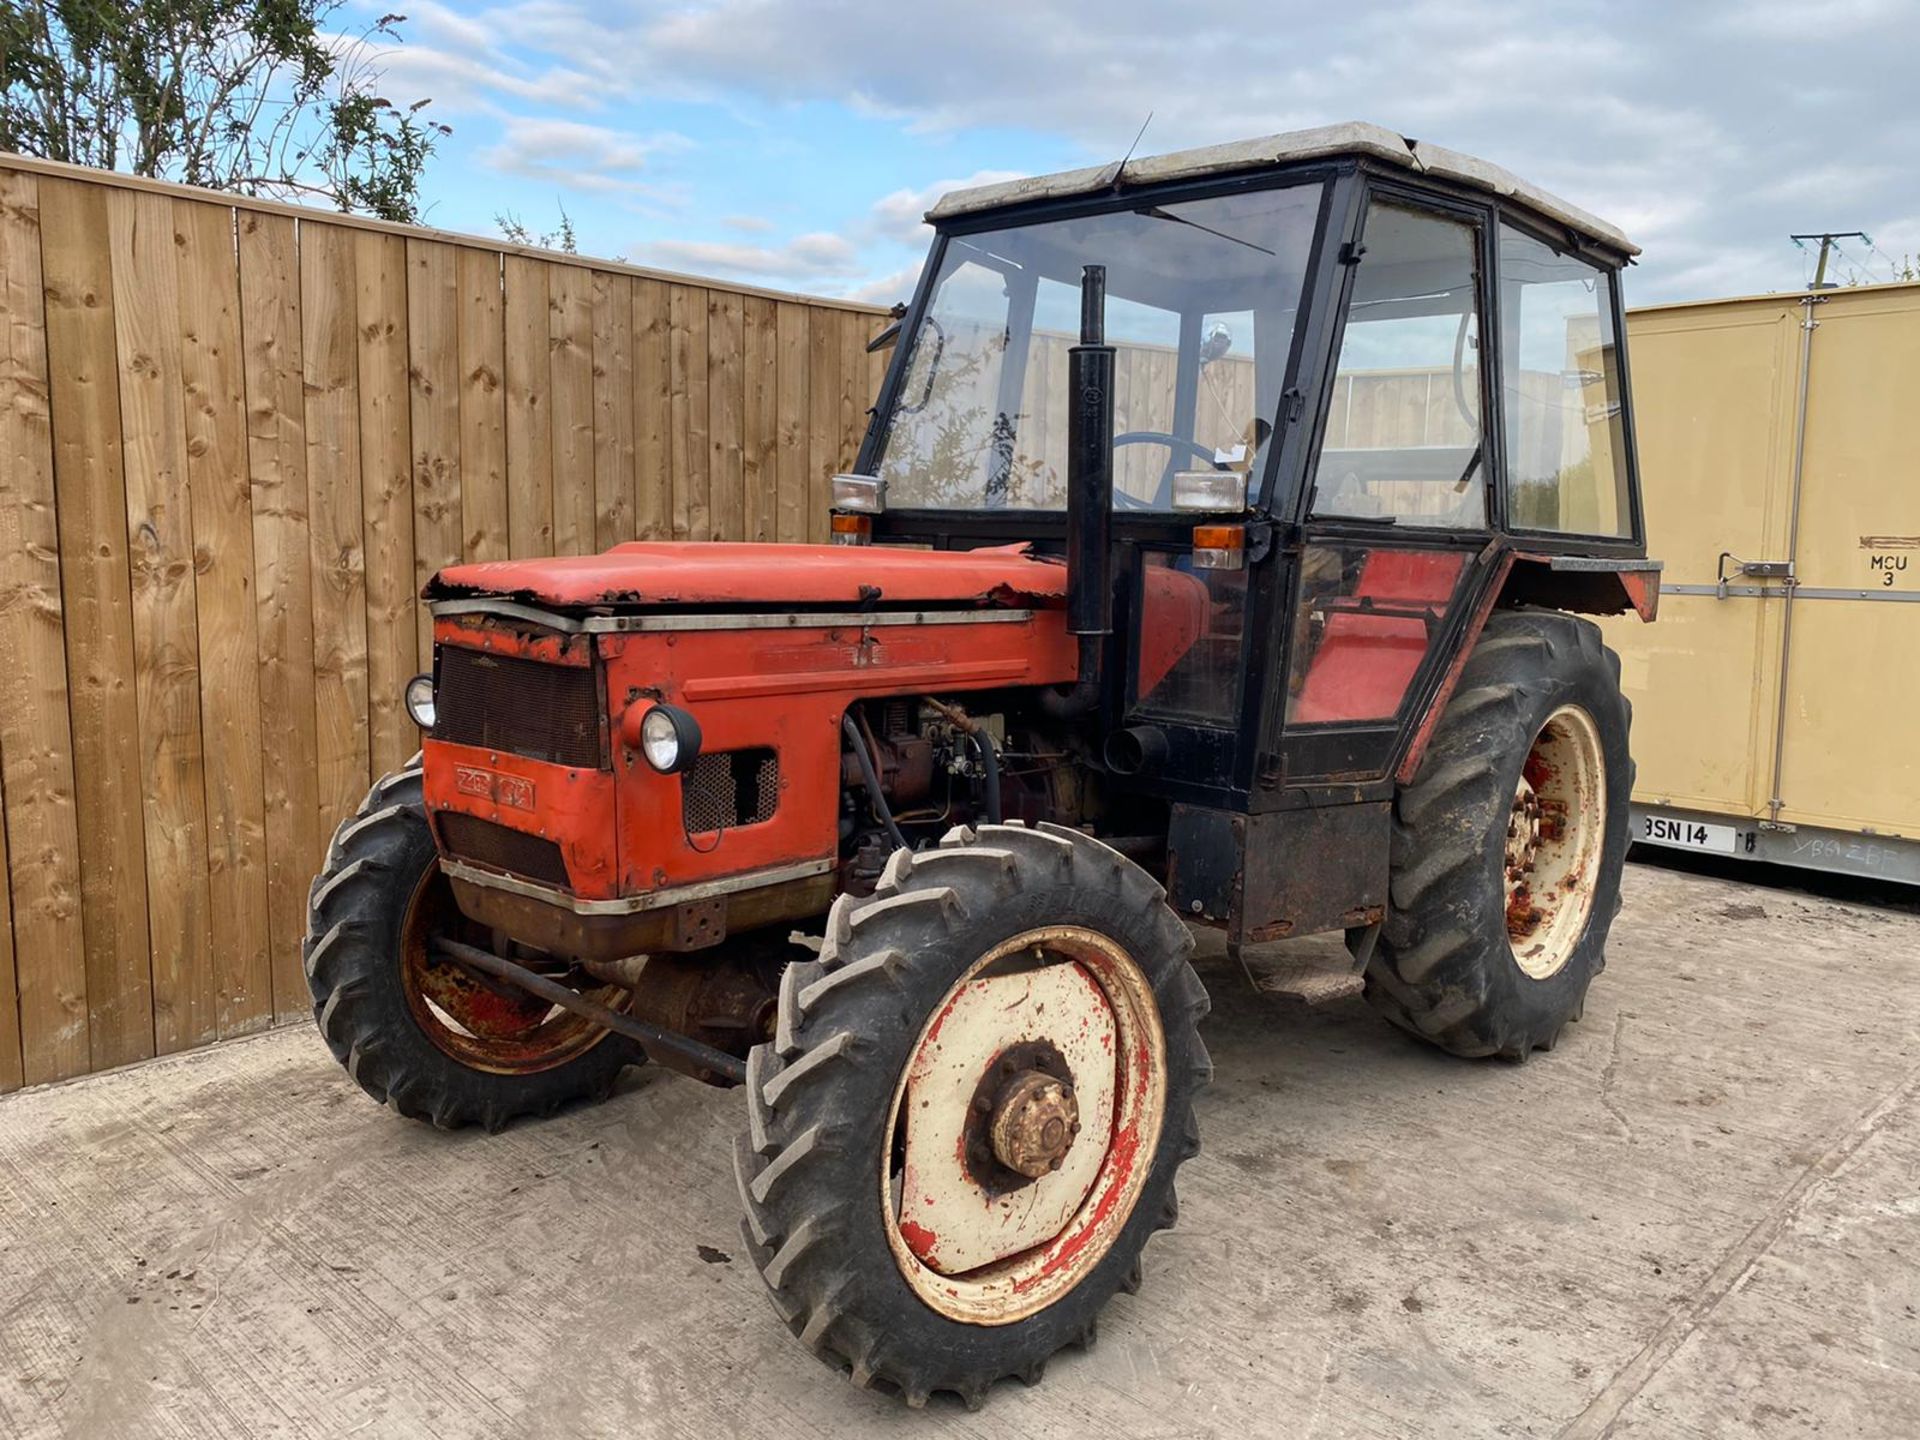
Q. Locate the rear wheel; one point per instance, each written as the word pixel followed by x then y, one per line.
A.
pixel 968 1125
pixel 435 1041
pixel 1509 843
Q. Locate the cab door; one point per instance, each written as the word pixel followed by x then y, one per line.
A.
pixel 1395 501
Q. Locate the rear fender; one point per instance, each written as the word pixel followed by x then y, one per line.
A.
pixel 1580 584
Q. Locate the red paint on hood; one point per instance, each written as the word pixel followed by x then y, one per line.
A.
pixel 663 572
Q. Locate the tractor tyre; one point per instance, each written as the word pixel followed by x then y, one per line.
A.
pixel 1507 847
pixel 968 1124
pixel 427 1038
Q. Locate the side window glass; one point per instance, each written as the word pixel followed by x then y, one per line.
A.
pixel 952 379
pixel 1566 448
pixel 1366 620
pixel 1191 626
pixel 1403 438
pixel 1227 414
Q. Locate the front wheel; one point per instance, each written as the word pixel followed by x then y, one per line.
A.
pixel 969 1122
pixel 1508 846
pixel 434 1041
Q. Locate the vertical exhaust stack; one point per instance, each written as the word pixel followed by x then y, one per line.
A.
pixel 1089 493
pixel 1090 465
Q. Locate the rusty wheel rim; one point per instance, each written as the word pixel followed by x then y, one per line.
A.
pixel 485 1026
pixel 1555 835
pixel 1008 1095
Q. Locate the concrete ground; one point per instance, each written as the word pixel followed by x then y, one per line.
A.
pixel 1699 1216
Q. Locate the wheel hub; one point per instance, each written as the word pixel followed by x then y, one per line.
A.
pixel 1523 831
pixel 1024 1125
pixel 984 1096
pixel 1555 835
pixel 1034 1122
pixel 483 1024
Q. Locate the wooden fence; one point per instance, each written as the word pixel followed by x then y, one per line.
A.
pixel 235 438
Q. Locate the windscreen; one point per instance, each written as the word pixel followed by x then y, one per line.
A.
pixel 1201 302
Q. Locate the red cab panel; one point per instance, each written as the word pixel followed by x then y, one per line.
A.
pixel 1366 620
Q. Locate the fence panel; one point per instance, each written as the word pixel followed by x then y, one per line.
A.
pixel 570 374
pixel 336 519
pixel 146 311
pixel 283 587
pixel 44 1033
pixel 235 438
pixel 386 491
pixel 483 408
pixel 90 498
pixel 213 383
pixel 613 430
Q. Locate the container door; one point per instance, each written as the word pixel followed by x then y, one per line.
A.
pixel 1715 391
pixel 1849 760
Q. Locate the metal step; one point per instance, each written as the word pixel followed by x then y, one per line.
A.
pixel 1313 979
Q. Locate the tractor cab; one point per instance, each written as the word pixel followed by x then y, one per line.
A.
pixel 1361 389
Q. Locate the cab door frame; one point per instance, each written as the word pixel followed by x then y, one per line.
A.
pixel 1363 756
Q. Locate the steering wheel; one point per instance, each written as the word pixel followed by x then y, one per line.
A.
pixel 1176 443
pixel 1172 442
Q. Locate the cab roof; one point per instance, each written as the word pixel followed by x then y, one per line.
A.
pixel 1354 138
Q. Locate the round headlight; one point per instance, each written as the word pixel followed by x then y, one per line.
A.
pixel 669 738
pixel 419 700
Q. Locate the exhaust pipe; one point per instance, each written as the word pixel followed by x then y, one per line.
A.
pixel 1137 750
pixel 1089 496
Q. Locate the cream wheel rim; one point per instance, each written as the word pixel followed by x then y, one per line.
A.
pixel 1047 1054
pixel 1555 834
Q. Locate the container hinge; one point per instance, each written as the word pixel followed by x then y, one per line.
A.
pixel 1781 570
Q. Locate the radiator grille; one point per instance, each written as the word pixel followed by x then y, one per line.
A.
pixel 468 837
pixel 728 788
pixel 522 707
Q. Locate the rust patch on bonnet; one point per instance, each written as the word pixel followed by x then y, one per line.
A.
pixel 661 572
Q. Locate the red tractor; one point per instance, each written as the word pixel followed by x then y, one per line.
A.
pixel 1216 556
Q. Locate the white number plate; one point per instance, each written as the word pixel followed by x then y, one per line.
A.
pixel 1688 834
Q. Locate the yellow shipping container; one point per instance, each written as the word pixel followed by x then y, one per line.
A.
pixel 1775 702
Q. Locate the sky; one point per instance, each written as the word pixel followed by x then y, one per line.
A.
pixel 797 145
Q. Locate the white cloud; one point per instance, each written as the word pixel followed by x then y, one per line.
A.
pixel 899 215
pixel 1674 121
pixel 455 61
pixel 1801 19
pixel 577 155
pixel 1836 183
pixel 803 259
pixel 1700 127
pixel 832 263
pixel 888 289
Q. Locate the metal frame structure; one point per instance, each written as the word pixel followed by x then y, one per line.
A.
pixel 1862 856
